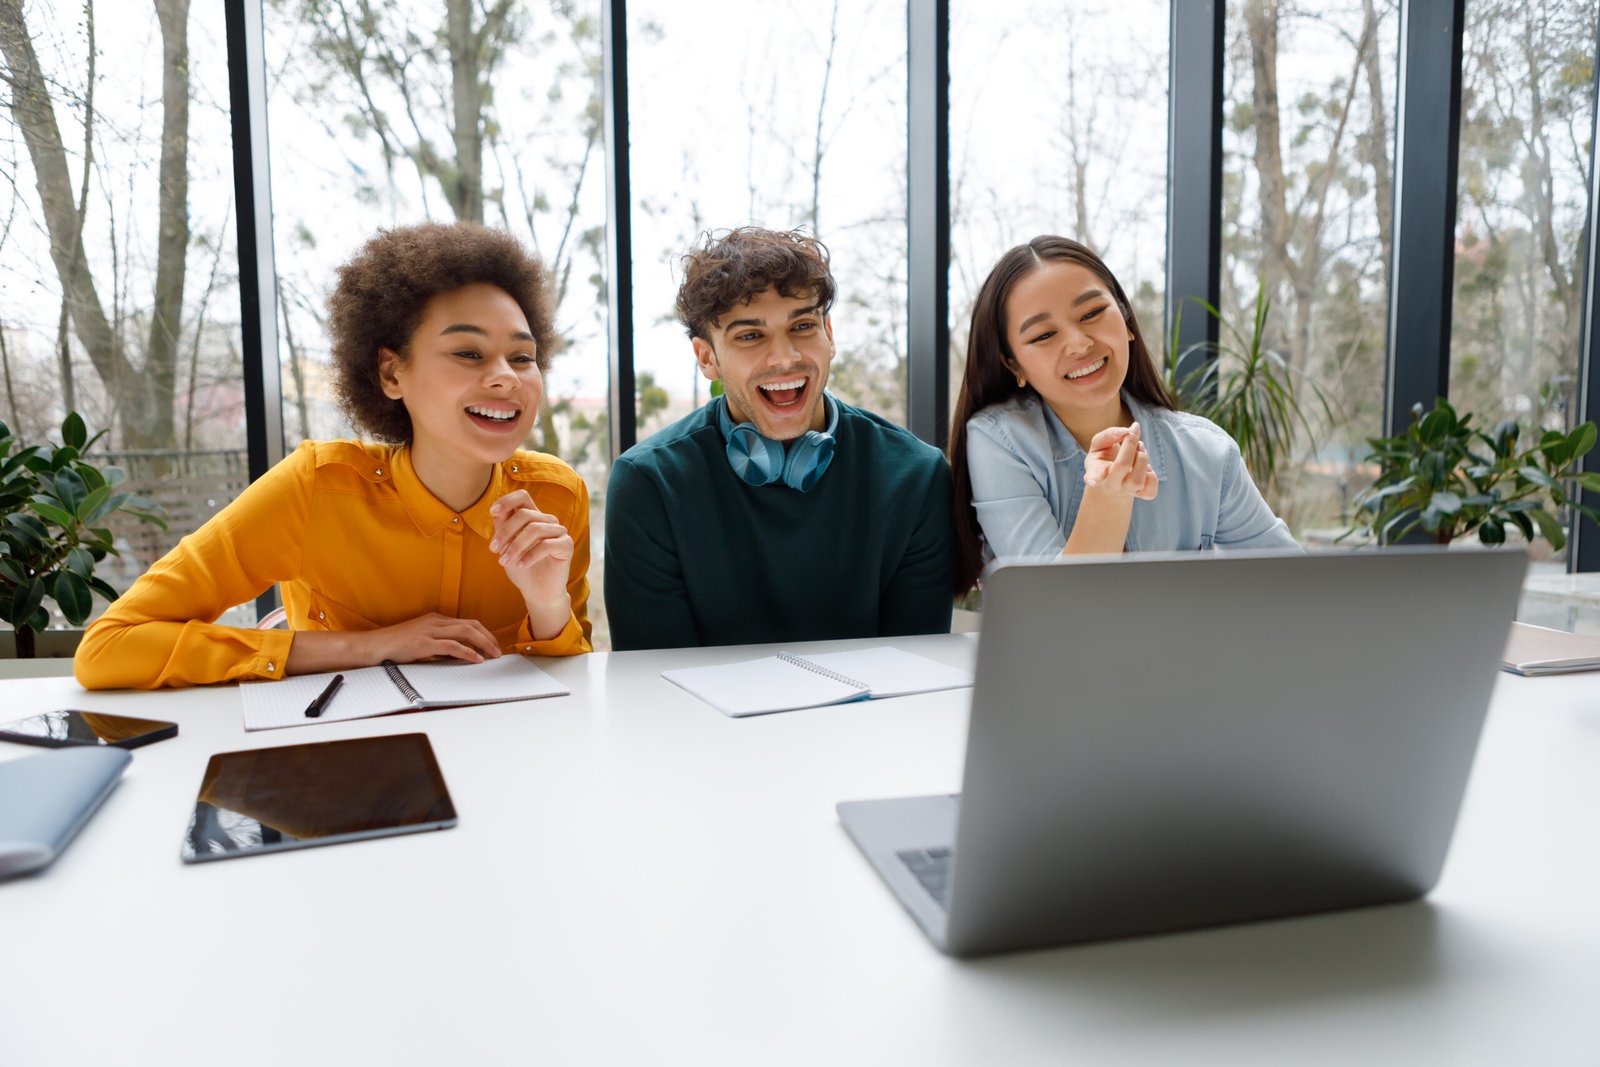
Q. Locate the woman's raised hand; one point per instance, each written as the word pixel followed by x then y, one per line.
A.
pixel 536 551
pixel 1118 465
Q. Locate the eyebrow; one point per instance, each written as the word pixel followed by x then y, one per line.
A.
pixel 1084 298
pixel 466 327
pixel 795 314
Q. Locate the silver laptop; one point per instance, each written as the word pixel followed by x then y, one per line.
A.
pixel 1162 743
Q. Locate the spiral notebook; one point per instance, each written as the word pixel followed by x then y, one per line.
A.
pixel 390 688
pixel 788 682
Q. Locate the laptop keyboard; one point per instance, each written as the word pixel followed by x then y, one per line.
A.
pixel 931 867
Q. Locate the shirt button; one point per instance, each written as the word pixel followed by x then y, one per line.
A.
pixel 378 471
pixel 456 519
pixel 321 615
pixel 271 667
pixel 515 468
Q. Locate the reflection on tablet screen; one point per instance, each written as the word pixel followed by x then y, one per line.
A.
pixel 296 796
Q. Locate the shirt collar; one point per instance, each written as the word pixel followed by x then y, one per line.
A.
pixel 430 513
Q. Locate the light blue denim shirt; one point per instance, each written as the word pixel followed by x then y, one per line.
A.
pixel 1027 483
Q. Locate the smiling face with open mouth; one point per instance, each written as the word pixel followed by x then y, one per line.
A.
pixel 1069 340
pixel 772 356
pixel 470 381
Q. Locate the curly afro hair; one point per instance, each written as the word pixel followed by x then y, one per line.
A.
pixel 726 271
pixel 380 295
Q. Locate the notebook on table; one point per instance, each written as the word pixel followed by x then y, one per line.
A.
pixel 1534 650
pixel 390 688
pixel 788 682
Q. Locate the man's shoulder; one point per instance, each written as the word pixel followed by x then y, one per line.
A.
pixel 669 442
pixel 881 437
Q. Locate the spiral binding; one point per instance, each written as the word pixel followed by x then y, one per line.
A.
pixel 401 682
pixel 801 661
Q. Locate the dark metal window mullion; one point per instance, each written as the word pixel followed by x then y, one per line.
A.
pixel 1585 552
pixel 1194 172
pixel 619 226
pixel 252 197
pixel 1427 135
pixel 928 219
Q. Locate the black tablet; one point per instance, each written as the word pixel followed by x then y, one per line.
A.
pixel 297 796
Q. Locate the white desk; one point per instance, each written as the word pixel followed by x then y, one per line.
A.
pixel 638 880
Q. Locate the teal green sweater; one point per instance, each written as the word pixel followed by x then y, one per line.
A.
pixel 694 556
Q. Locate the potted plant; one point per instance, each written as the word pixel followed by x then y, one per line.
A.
pixel 1445 478
pixel 53 503
pixel 1244 387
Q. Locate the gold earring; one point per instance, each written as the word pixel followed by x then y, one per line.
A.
pixel 1022 383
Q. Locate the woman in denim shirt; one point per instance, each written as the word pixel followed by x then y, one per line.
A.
pixel 1065 441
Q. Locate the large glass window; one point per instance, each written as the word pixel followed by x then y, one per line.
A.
pixel 780 116
pixel 1058 125
pixel 390 114
pixel 1306 212
pixel 118 265
pixel 1527 116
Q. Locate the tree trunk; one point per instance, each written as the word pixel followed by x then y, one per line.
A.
pixel 158 382
pixel 34 113
pixel 1261 24
pixel 465 188
pixel 1377 144
pixel 25 643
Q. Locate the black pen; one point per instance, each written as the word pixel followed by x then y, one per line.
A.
pixel 316 707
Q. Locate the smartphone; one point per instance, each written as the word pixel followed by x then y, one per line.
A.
pixel 60 729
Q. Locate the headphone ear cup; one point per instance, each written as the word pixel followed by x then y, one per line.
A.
pixel 808 459
pixel 756 460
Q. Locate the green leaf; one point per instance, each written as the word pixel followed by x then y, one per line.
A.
pixel 72 594
pixel 70 488
pixel 1446 503
pixel 1549 527
pixel 1492 532
pixel 1582 439
pixel 79 561
pixel 1537 477
pixel 90 474
pixel 104 588
pixel 53 513
pixel 74 432
pixel 29 596
pixel 88 511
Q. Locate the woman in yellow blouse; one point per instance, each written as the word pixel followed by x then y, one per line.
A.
pixel 441 540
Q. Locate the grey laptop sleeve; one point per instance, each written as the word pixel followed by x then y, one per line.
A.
pixel 46 799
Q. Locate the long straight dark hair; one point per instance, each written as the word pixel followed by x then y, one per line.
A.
pixel 989 380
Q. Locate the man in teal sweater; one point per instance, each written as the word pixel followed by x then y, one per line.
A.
pixel 776 512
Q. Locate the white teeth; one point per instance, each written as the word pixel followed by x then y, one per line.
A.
pixel 493 413
pixel 796 384
pixel 1087 370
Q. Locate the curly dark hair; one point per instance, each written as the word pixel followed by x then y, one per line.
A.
pixel 727 270
pixel 381 293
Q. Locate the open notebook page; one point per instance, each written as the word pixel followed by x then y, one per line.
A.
pixel 510 677
pixel 272 705
pixel 370 691
pixel 759 686
pixel 892 672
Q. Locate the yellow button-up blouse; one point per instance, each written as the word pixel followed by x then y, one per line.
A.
pixel 355 542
